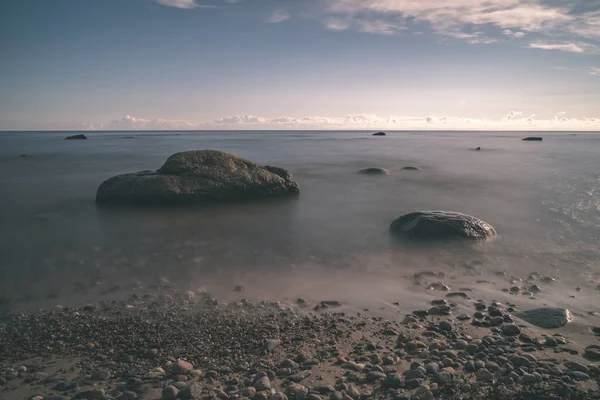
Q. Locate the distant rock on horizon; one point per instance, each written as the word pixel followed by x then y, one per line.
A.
pixel 379 134
pixel 79 136
pixel 197 176
pixel 533 139
pixel 373 171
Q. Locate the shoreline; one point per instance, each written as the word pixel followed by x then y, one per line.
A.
pixel 130 349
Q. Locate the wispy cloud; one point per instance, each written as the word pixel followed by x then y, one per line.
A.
pixel 570 47
pixel 337 23
pixel 513 120
pixel 278 16
pixel 594 71
pixel 185 4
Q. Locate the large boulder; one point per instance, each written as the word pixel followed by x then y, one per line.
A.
pixel 198 176
pixel 441 225
pixel 80 136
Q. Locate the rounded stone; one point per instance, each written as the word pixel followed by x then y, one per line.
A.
pixel 197 176
pixel 547 317
pixel 441 225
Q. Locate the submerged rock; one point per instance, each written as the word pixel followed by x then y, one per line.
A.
pixel 441 225
pixel 533 139
pixel 198 176
pixel 411 168
pixel 546 317
pixel 80 136
pixel 373 171
pixel 379 134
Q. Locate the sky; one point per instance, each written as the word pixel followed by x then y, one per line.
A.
pixel 300 64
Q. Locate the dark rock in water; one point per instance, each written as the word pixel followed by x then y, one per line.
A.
pixel 477 149
pixel 533 139
pixel 373 171
pixel 409 168
pixel 80 136
pixel 546 317
pixel 441 225
pixel 379 134
pixel 198 176
pixel 25 155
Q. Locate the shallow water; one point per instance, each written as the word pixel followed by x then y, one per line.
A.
pixel 542 197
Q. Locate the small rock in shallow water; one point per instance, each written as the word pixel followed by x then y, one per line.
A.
pixel 547 317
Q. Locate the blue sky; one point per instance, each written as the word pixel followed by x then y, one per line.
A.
pixel 299 64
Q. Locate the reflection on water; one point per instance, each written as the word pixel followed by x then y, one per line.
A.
pixel 541 197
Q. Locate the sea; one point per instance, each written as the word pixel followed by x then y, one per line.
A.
pixel 332 241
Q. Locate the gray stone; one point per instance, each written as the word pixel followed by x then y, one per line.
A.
pixel 263 383
pixel 278 396
pixel 272 344
pixel 414 374
pixel 195 177
pixel 101 375
pixel 374 376
pixel 547 317
pixel 445 326
pixel 394 381
pixel 194 391
pixel 180 367
pixel 575 366
pixel 441 225
pixel 169 393
pixel 299 376
pixel 510 329
pixel 520 361
pixel 249 392
pixel 483 375
pixel 529 379
pixel 578 375
pixel 592 352
pixel 432 367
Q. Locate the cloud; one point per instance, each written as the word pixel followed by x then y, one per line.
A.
pixel 513 34
pixel 570 47
pixel 337 24
pixel 132 123
pixel 594 71
pixel 278 16
pixel 513 120
pixel 185 4
pixel 451 17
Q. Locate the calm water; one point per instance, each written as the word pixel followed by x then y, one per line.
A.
pixel 542 197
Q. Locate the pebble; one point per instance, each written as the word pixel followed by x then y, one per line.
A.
pixel 460 344
pixel 432 367
pixel 263 383
pixel 393 381
pixel 593 352
pixel 249 392
pixel 374 376
pixel 194 391
pixel 169 393
pixel 458 294
pixel 272 344
pixel 483 375
pixel 180 367
pixel 496 321
pixel 445 326
pixel 520 361
pixel 101 375
pixel 578 375
pixel 299 376
pixel 510 330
